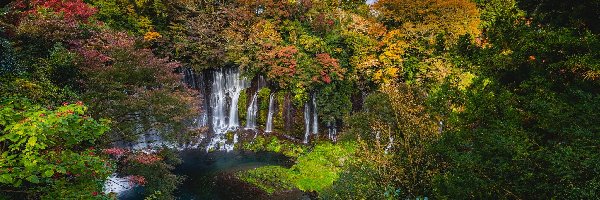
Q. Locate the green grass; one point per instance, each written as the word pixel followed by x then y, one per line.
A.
pixel 313 171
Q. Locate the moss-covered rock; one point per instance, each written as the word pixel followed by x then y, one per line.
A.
pixel 278 123
pixel 269 178
pixel 243 107
pixel 273 144
pixel 229 136
pixel 264 96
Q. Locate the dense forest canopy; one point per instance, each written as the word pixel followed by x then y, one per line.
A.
pixel 444 99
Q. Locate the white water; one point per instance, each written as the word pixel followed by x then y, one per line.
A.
pixel 218 101
pixel 116 185
pixel 227 85
pixel 315 128
pixel 269 126
pixel 310 108
pixel 252 112
pixel 333 131
pixel 306 122
pixel 236 85
pixel 390 144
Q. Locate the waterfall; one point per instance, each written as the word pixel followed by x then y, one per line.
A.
pixel 308 107
pixel 253 107
pixel 227 85
pixel 217 102
pixel 236 87
pixel 389 146
pixel 315 128
pixel 269 126
pixel 333 131
pixel 261 82
pixel 252 112
pixel 306 122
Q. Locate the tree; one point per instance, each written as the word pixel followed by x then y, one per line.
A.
pixel 429 18
pixel 49 153
pixel 394 133
pixel 135 89
pixel 577 14
pixel 524 128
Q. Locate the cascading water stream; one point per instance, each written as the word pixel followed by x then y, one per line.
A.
pixel 306 122
pixel 315 128
pixel 227 85
pixel 252 112
pixel 217 102
pixel 333 131
pixel 269 126
pixel 238 85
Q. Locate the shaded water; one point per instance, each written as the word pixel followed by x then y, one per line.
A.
pixel 211 176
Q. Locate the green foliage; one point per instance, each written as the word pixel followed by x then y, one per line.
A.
pixel 139 17
pixel 45 150
pixel 516 131
pixel 478 99
pixel 264 96
pixel 243 106
pixel 333 101
pixel 314 171
pixel 41 91
pixel 319 168
pixel 60 67
pixel 361 181
pixel 580 15
pixel 272 144
pixel 269 179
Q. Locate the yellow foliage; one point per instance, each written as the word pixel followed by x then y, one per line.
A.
pixel 264 32
pixel 151 35
pixel 394 49
pixel 359 24
pixel 364 62
pixel 427 18
pixel 392 72
pixel 465 80
pixel 437 70
pixel 378 75
pixel 386 75
pixel 312 44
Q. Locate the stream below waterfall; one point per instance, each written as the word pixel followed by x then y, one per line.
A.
pixel 212 176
